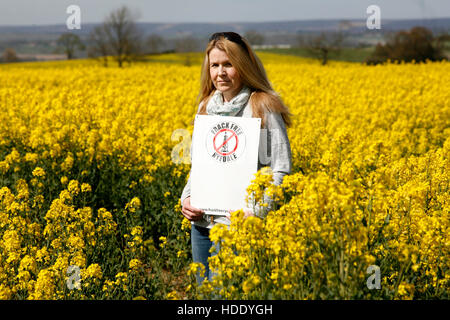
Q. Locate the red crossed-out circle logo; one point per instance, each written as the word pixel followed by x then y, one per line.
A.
pixel 222 146
pixel 225 141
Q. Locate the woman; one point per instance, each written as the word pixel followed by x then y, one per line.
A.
pixel 234 83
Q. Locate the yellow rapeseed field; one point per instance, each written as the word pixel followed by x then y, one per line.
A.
pixel 90 180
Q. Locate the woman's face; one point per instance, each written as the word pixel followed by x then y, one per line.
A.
pixel 223 75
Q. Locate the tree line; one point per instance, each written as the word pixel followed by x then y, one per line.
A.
pixel 415 45
pixel 120 38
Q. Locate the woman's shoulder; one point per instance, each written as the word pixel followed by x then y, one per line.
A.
pixel 200 105
pixel 274 119
pixel 269 101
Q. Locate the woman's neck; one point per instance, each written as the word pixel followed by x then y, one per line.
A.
pixel 227 96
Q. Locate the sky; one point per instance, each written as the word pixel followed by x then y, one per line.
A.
pixel 41 12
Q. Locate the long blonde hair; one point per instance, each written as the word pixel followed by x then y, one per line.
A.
pixel 252 73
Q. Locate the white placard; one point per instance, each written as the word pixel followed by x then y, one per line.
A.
pixel 224 161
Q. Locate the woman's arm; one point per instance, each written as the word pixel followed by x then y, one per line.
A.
pixel 281 157
pixel 275 152
pixel 187 188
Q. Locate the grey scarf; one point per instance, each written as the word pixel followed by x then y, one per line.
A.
pixel 217 106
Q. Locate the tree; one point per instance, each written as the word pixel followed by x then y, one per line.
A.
pixel 9 55
pixel 123 38
pixel 417 44
pixel 186 45
pixel 443 44
pixel 323 44
pixel 254 37
pixel 154 42
pixel 99 45
pixel 70 42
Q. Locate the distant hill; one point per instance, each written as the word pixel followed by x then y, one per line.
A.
pixel 203 29
pixel 42 38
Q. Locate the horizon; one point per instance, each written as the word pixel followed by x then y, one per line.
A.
pixel 229 22
pixel 53 12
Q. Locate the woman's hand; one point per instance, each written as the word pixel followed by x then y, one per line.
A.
pixel 248 213
pixel 189 212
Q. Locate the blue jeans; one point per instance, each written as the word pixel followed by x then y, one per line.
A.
pixel 201 244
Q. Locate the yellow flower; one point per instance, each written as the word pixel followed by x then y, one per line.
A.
pixel 135 265
pixel 173 295
pixel 196 267
pixel 75 242
pixel 133 205
pixel 4 167
pixel 163 241
pixel 38 172
pixel 64 180
pixel 73 187
pixel 85 187
pixel 28 263
pixel 93 271
pixel 122 280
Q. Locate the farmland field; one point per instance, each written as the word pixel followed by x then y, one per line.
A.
pixel 89 185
